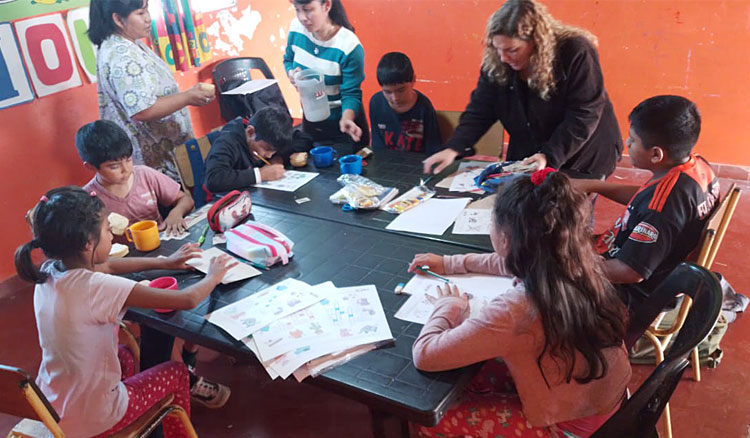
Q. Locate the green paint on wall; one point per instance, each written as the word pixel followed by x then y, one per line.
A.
pixel 17 9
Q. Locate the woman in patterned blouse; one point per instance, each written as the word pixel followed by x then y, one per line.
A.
pixel 136 89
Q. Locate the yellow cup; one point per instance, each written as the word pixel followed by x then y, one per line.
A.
pixel 145 235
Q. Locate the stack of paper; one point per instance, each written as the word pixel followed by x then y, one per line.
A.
pixel 481 290
pixel 292 323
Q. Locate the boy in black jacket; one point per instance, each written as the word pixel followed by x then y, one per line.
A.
pixel 236 158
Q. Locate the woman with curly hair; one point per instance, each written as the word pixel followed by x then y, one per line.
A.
pixel 543 81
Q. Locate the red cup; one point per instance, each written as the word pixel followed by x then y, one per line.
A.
pixel 163 283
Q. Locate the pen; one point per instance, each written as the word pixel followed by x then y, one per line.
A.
pixel 261 158
pixel 426 270
pixel 426 180
pixel 203 235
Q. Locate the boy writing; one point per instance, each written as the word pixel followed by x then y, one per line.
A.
pixel 238 157
pixel 664 217
pixel 136 193
pixel 402 118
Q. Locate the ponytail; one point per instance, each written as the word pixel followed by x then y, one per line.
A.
pixel 25 267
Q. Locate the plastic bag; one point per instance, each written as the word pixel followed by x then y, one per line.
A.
pixel 361 192
pixel 498 174
pixel 415 196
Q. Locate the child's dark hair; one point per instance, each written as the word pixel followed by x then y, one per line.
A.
pixel 670 122
pixel 274 126
pixel 395 68
pixel 102 141
pixel 337 14
pixel 64 221
pixel 552 252
pixel 100 17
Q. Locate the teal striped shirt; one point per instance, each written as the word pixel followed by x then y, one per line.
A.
pixel 341 59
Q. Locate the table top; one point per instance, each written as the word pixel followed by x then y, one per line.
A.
pixel 388 168
pixel 348 255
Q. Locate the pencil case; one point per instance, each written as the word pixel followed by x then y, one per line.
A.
pixel 415 196
pixel 259 243
pixel 229 211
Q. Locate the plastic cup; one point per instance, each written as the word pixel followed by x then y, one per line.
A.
pixel 351 164
pixel 163 283
pixel 323 156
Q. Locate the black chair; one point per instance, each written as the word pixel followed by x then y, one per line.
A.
pixel 637 417
pixel 231 73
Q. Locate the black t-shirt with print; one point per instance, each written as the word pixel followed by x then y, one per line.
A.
pixel 663 222
pixel 413 131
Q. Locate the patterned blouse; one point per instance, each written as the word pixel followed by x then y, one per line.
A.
pixel 130 77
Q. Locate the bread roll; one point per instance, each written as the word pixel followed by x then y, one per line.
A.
pixel 118 223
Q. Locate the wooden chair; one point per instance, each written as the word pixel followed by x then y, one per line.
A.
pixel 20 397
pixel 638 415
pixel 490 144
pixel 190 159
pixel 661 334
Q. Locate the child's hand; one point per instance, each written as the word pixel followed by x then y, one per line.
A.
pixel 434 261
pixel 219 266
pixel 440 160
pixel 186 252
pixel 272 172
pixel 174 223
pixel 449 290
pixel 349 127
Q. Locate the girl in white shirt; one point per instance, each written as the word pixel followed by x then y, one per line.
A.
pixel 78 305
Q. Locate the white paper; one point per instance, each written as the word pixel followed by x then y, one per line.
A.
pixel 164 236
pixel 250 87
pixel 433 216
pixel 250 344
pixel 247 316
pixel 320 365
pixel 349 316
pixel 481 288
pixel 292 180
pixel 241 271
pixel 197 216
pixel 473 221
pixel 463 180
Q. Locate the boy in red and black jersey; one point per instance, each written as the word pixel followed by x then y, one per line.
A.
pixel 664 217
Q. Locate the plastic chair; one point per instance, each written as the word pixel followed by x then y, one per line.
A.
pixel 637 417
pixel 231 73
pixel 190 159
pixel 22 398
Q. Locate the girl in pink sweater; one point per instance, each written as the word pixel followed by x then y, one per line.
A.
pixel 558 331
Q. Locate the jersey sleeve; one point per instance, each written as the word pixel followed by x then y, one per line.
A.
pixel 376 135
pixel 651 240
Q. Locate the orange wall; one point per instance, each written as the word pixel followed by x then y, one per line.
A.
pixel 700 49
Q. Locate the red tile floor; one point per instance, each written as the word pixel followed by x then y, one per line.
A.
pixel 718 406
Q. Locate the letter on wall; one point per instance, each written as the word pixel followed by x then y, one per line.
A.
pixel 49 57
pixel 14 84
pixel 78 24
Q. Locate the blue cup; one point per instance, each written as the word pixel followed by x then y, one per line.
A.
pixel 323 156
pixel 351 164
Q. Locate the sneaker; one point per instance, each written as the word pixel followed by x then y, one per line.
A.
pixel 210 394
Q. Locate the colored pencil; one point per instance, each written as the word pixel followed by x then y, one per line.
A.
pixel 261 158
pixel 203 235
pixel 427 271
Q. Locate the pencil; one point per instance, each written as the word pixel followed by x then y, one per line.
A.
pixel 261 158
pixel 427 271
pixel 203 235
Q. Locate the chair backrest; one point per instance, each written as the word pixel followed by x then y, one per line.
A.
pixel 190 159
pixel 231 73
pixel 716 227
pixel 490 144
pixel 20 397
pixel 638 415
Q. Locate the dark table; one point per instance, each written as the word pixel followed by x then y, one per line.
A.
pixel 387 168
pixel 385 379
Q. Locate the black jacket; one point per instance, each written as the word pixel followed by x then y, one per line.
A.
pixel 229 164
pixel 576 128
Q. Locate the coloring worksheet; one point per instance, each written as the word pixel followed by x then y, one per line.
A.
pixel 290 182
pixel 240 271
pixel 473 221
pixel 480 288
pixel 247 316
pixel 463 180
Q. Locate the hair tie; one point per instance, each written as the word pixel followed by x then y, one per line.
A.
pixel 538 177
pixel 44 198
pixel 92 193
